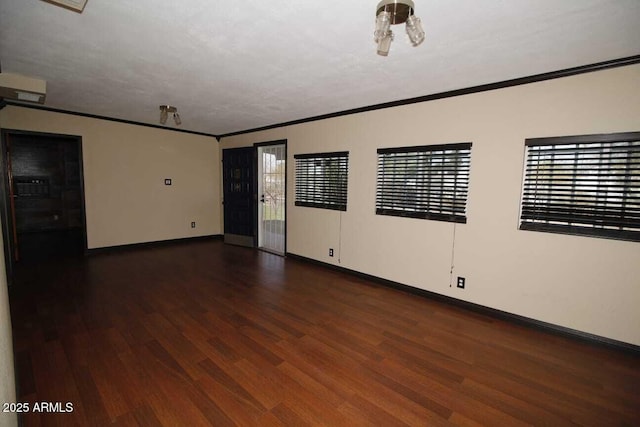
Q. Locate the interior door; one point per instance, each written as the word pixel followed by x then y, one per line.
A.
pixel 239 196
pixel 272 167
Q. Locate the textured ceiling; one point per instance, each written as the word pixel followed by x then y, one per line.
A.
pixel 235 65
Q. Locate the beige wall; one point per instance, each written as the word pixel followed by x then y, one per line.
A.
pixel 583 283
pixel 7 377
pixel 124 171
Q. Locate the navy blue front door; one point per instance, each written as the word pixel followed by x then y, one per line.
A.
pixel 239 195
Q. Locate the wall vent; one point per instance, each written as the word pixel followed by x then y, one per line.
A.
pixel 22 88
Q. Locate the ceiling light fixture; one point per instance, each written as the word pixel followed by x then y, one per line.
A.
pixel 75 5
pixel 164 114
pixel 393 12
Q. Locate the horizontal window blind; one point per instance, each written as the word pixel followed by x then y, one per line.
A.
pixel 429 182
pixel 587 185
pixel 321 180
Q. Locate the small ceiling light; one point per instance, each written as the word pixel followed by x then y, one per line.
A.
pixel 75 5
pixel 164 114
pixel 393 12
pixel 414 30
pixel 383 34
pixel 384 44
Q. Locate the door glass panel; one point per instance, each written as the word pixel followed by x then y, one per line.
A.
pixel 271 208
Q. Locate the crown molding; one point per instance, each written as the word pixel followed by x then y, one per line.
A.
pixel 614 63
pixel 111 119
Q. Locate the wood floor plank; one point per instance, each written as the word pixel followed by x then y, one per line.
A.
pixel 270 420
pixel 362 409
pixel 24 371
pixel 518 408
pixel 168 392
pixel 288 417
pixel 267 376
pixel 310 384
pixel 55 383
pixel 430 363
pixel 217 374
pixel 234 409
pixel 204 333
pixel 145 417
pixel 462 421
pixel 169 340
pixel 450 397
pixel 568 408
pixel 111 395
pixel 345 376
pixel 91 398
pixel 127 420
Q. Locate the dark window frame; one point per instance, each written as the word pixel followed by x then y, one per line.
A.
pixel 433 196
pixel 598 195
pixel 318 190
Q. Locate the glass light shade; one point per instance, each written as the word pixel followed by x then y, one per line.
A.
pixel 414 30
pixel 163 115
pixel 384 44
pixel 176 118
pixel 383 26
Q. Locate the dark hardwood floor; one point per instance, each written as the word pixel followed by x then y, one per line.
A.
pixel 206 334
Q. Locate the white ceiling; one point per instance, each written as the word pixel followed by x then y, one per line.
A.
pixel 236 65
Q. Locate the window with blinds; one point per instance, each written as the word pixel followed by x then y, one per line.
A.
pixel 321 180
pixel 586 185
pixel 429 182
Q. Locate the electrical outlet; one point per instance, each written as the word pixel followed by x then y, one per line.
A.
pixel 193 224
pixel 331 252
pixel 461 282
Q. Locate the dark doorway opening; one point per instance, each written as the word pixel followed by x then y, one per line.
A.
pixel 44 197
